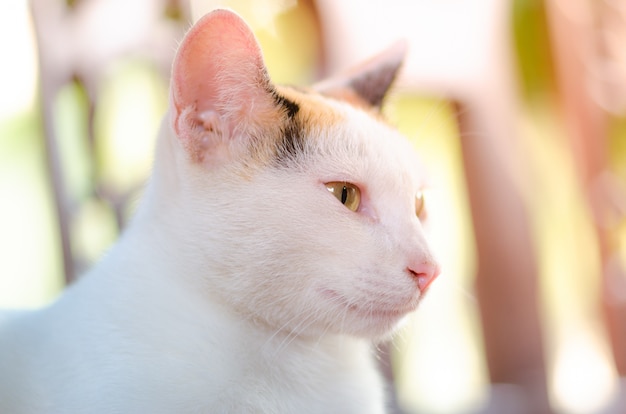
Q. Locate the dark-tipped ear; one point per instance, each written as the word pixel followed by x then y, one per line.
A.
pixel 371 80
pixel 219 86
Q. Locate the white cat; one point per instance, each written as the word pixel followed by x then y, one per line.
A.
pixel 278 237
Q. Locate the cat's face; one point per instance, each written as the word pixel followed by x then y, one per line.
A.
pixel 301 207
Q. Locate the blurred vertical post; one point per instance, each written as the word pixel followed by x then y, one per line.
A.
pixel 507 269
pixel 53 77
pixel 66 33
pixel 507 274
pixel 583 35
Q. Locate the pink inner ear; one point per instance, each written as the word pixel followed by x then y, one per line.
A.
pixel 219 67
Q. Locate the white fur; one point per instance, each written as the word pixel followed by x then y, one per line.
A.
pixel 238 287
pixel 214 300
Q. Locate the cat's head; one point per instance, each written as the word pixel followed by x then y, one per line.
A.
pixel 297 208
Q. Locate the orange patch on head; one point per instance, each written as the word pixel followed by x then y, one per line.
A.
pixel 315 112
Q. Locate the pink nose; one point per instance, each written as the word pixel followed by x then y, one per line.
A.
pixel 425 273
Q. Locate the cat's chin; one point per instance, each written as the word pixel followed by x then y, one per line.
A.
pixel 374 321
pixel 377 329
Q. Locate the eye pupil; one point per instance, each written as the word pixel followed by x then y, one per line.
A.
pixel 348 194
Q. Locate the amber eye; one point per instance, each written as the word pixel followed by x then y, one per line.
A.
pixel 419 205
pixel 348 194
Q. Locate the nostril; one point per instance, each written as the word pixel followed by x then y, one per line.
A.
pixel 425 274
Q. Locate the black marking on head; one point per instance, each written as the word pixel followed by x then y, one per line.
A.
pixel 291 107
pixel 291 143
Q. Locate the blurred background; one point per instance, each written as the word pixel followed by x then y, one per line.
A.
pixel 517 109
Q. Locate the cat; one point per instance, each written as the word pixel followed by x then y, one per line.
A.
pixel 278 238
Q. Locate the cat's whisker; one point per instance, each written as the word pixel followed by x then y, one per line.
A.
pixel 279 330
pixel 394 344
pixel 322 336
pixel 346 310
pixel 293 295
pixel 307 321
pixel 294 333
pixel 312 320
pixel 428 118
pixel 284 327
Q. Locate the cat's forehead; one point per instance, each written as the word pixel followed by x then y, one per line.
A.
pixel 344 127
pixel 324 109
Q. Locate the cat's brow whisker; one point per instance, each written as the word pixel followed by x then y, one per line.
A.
pixel 430 116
